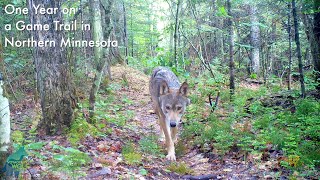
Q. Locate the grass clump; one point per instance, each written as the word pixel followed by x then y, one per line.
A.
pixel 131 155
pixel 181 148
pixel 69 160
pixel 149 145
pixel 80 129
pixel 180 168
pixel 132 158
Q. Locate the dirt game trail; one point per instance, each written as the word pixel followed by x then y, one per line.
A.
pixel 145 124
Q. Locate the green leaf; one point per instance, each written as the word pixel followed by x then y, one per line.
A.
pixel 35 146
pixel 59 157
pixel 143 172
pixel 222 11
pixel 72 150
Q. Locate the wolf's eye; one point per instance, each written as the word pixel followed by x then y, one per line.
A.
pixel 179 108
pixel 168 108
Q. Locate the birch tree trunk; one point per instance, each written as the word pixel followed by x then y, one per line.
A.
pixel 255 40
pixel 297 39
pixel 4 123
pixel 54 77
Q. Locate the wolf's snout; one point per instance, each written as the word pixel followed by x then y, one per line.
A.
pixel 173 124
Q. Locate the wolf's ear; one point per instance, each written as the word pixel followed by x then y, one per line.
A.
pixel 164 88
pixel 184 89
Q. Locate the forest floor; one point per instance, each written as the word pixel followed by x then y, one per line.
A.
pixel 145 124
pixel 106 152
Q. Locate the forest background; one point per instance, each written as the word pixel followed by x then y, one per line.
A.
pixel 252 67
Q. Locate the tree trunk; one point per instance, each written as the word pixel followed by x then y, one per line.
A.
pixel 290 56
pixel 4 122
pixel 132 37
pixel 176 27
pixel 296 29
pixel 125 34
pixel 231 46
pixel 107 29
pixel 255 40
pixel 98 35
pixel 272 59
pixel 309 24
pixel 316 32
pixel 53 74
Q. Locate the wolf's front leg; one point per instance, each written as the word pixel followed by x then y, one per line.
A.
pixel 174 131
pixel 169 143
pixel 162 137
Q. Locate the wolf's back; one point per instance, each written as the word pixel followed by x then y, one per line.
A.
pixel 161 74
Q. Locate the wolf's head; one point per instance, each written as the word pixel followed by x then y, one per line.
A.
pixel 173 102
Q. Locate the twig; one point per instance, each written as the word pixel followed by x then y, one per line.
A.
pixel 206 65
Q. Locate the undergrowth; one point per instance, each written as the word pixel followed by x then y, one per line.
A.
pixel 249 125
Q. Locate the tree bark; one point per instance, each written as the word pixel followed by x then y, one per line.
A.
pixel 176 27
pixel 231 46
pixel 132 37
pixel 54 77
pixel 290 56
pixel 297 39
pixel 255 40
pixel 107 30
pixel 99 35
pixel 4 122
pixel 316 32
pixel 125 34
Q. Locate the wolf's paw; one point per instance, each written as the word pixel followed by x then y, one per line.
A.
pixel 162 139
pixel 171 157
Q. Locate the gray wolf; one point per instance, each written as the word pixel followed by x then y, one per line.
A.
pixel 169 100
